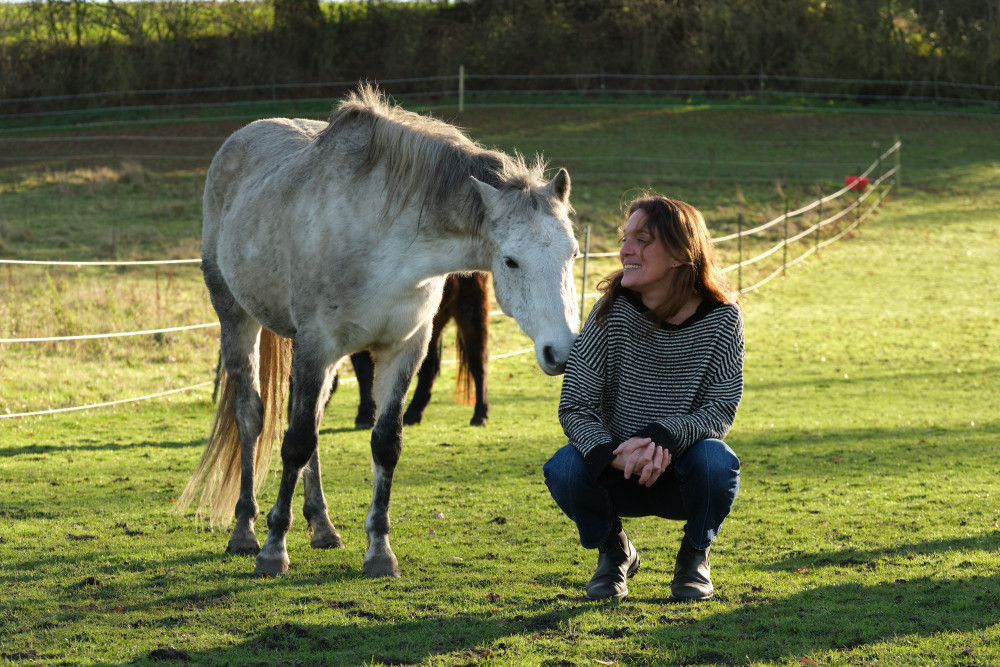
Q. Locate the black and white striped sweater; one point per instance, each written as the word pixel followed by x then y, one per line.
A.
pixel 676 384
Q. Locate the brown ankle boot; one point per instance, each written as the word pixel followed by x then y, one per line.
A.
pixel 617 561
pixel 692 575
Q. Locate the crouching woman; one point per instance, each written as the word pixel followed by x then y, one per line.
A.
pixel 651 389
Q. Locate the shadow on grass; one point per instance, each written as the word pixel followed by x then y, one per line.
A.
pixel 843 617
pixel 838 617
pixel 865 382
pixel 368 638
pixel 29 450
pixel 867 558
pixel 847 617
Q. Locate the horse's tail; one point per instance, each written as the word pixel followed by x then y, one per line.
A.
pixel 216 481
pixel 464 394
pixel 474 298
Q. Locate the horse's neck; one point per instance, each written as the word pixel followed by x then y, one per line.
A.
pixel 438 255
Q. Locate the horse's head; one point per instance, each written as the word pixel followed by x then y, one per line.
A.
pixel 533 247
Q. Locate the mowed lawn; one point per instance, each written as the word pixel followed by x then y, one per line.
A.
pixel 865 532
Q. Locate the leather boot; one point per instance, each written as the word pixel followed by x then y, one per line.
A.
pixel 692 574
pixel 617 561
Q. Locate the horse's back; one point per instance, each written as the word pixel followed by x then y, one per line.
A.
pixel 251 155
pixel 245 192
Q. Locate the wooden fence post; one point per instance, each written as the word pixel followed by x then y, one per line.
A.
pixel 784 246
pixel 899 164
pixel 583 285
pixel 739 251
pixel 819 222
pixel 461 88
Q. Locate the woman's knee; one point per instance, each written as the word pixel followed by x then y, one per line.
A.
pixel 711 459
pixel 564 470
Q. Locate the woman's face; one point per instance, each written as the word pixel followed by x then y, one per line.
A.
pixel 646 264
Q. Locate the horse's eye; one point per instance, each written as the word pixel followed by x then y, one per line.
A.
pixel 511 264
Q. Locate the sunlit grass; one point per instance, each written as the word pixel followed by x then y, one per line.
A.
pixel 865 531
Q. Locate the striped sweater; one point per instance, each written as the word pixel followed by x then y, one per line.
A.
pixel 676 384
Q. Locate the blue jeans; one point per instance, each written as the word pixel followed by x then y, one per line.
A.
pixel 699 487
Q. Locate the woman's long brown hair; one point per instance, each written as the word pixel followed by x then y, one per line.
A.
pixel 681 229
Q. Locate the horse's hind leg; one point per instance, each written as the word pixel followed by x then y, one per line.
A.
pixel 324 535
pixel 392 379
pixel 238 353
pixel 311 376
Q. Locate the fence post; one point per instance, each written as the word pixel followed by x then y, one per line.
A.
pixel 461 88
pixel 819 223
pixel 583 286
pixel 899 164
pixel 784 246
pixel 857 209
pixel 739 251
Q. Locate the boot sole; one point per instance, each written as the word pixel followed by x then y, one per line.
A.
pixel 705 598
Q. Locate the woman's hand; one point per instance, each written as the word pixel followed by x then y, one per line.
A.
pixel 642 456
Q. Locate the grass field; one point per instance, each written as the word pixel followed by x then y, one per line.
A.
pixel 865 532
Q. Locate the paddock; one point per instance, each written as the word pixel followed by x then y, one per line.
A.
pixel 865 528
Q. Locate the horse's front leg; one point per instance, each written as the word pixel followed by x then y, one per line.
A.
pixel 393 374
pixel 311 377
pixel 324 535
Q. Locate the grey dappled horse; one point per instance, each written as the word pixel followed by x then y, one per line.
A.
pixel 339 235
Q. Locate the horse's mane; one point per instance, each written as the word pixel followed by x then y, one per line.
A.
pixel 427 160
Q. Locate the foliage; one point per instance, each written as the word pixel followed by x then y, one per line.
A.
pixel 81 46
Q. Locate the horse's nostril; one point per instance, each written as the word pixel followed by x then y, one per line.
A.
pixel 549 355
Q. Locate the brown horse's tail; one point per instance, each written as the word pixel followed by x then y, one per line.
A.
pixel 464 394
pixel 473 297
pixel 216 481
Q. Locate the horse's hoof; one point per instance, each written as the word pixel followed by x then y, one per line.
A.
pixel 384 566
pixel 478 421
pixel 267 567
pixel 411 420
pixel 364 425
pixel 243 547
pixel 327 541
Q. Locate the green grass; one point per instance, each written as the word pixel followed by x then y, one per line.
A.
pixel 865 532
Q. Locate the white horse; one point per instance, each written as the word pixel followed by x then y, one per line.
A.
pixel 338 236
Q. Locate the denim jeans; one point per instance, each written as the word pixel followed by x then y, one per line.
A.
pixel 699 487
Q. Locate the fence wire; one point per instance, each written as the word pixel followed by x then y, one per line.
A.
pixel 874 186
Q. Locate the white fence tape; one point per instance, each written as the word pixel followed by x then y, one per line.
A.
pixel 738 235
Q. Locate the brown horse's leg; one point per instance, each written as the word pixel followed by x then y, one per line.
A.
pixel 364 370
pixel 427 374
pixel 432 362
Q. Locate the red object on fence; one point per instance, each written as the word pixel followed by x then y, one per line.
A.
pixel 856 182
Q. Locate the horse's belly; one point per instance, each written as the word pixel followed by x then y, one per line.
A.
pixel 379 321
pixel 260 289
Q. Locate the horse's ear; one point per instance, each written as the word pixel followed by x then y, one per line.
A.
pixel 486 191
pixel 560 185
